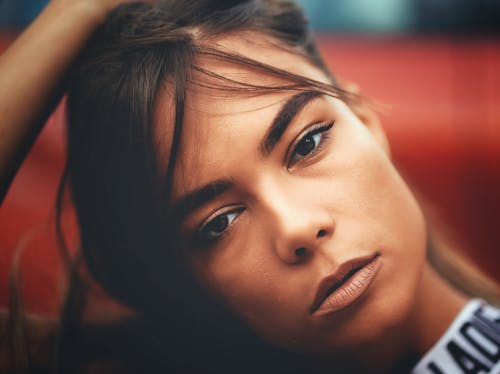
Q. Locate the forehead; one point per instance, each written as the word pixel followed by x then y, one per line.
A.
pixel 222 127
pixel 204 93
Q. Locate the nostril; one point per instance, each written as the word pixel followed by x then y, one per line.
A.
pixel 321 233
pixel 299 252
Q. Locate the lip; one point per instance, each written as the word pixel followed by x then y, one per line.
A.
pixel 349 281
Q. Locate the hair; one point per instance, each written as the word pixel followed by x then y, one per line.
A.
pixel 121 188
pixel 128 243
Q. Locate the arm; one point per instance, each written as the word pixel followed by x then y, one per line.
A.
pixel 32 72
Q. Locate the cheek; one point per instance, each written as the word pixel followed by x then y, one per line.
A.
pixel 393 213
pixel 243 276
pixel 369 199
pixel 376 211
pixel 371 195
pixel 258 288
pixel 402 226
pixel 402 232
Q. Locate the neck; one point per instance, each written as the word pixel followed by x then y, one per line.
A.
pixel 437 304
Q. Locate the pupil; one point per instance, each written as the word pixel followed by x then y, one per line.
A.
pixel 305 146
pixel 219 224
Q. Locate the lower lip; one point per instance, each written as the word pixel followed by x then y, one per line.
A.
pixel 351 290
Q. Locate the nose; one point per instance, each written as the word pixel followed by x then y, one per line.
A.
pixel 300 225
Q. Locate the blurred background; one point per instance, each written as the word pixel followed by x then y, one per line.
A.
pixel 431 66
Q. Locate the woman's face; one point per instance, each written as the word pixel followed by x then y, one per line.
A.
pixel 284 193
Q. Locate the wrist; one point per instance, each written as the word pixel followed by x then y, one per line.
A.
pixel 88 12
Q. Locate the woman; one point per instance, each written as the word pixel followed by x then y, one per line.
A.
pixel 236 197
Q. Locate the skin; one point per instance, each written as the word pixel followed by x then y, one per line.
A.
pixel 345 200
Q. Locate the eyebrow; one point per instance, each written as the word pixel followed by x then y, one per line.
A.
pixel 283 119
pixel 199 197
pixel 203 195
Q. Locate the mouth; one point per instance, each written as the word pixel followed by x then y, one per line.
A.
pixel 345 285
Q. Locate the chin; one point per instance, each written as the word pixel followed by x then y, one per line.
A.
pixel 380 318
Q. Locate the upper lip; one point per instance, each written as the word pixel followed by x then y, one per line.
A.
pixel 333 281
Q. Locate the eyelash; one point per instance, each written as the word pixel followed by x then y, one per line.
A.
pixel 318 129
pixel 203 239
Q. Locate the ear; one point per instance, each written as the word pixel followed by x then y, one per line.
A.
pixel 365 112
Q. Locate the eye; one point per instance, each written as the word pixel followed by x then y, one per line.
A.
pixel 217 226
pixel 309 143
